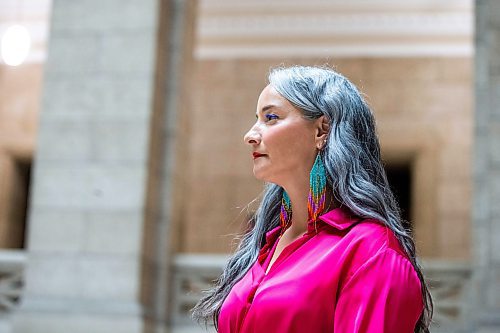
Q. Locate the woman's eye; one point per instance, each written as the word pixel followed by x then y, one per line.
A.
pixel 271 117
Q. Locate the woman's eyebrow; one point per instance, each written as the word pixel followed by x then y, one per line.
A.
pixel 265 108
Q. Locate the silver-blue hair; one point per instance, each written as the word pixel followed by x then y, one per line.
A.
pixel 355 176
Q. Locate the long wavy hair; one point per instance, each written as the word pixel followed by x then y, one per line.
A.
pixel 355 176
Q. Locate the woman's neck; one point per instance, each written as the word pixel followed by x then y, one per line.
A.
pixel 299 194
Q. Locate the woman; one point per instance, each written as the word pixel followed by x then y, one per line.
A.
pixel 327 250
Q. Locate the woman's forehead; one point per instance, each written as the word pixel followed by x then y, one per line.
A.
pixel 270 97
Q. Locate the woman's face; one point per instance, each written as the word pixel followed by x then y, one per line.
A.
pixel 284 144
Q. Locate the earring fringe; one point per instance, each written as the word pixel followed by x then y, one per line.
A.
pixel 317 189
pixel 285 212
pixel 316 198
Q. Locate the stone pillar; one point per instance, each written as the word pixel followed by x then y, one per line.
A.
pixel 170 133
pixel 91 180
pixel 486 206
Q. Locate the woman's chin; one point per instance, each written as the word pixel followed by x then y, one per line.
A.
pixel 265 178
pixel 259 175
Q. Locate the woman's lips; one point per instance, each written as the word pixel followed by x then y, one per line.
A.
pixel 257 155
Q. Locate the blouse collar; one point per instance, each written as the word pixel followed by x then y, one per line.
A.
pixel 339 218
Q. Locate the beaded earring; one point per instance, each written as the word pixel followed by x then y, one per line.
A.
pixel 285 212
pixel 317 189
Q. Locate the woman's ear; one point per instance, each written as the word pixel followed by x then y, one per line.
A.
pixel 322 130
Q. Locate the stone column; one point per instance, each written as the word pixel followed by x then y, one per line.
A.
pixel 170 133
pixel 91 183
pixel 486 206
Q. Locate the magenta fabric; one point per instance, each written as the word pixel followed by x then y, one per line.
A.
pixel 350 276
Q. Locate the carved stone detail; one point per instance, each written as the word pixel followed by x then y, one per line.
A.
pixel 11 279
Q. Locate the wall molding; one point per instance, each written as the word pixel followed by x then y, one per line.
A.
pixel 228 29
pixel 381 28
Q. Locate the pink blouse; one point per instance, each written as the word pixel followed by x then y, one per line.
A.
pixel 347 277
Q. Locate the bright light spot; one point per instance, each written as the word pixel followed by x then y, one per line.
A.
pixel 15 45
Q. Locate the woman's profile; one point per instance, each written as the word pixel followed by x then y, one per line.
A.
pixel 327 250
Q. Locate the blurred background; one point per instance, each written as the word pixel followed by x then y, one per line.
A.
pixel 124 178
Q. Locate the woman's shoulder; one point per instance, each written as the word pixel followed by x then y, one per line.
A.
pixel 369 254
pixel 371 244
pixel 374 236
pixel 363 236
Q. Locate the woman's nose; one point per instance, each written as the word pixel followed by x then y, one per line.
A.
pixel 252 137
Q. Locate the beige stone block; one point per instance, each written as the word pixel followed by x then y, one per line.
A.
pixel 219 162
pixel 457 133
pixel 439 103
pixel 20 99
pixel 79 231
pixel 224 214
pixel 129 52
pixel 56 231
pixel 109 277
pixel 455 69
pixel 42 322
pixel 454 237
pixel 455 164
pixel 89 186
pixel 354 69
pixel 77 144
pixel 65 52
pixel 382 97
pixel 90 98
pixel 390 70
pixel 83 276
pixel 113 232
pixel 84 17
pixel 424 202
pixel 454 197
pixel 109 140
pixel 53 276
